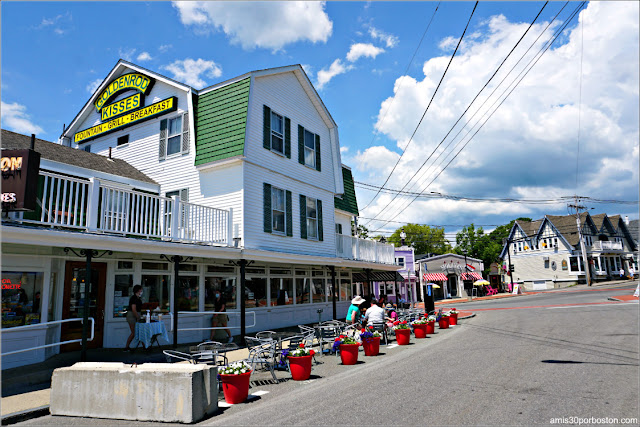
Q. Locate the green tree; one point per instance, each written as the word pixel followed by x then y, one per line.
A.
pixel 362 232
pixel 422 238
pixel 469 240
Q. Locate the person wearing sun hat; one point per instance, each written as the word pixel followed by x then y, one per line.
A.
pixel 353 315
pixel 392 316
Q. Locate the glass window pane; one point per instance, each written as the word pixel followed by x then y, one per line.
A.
pixel 256 292
pixel 122 291
pixel 309 140
pixel 312 228
pixel 156 265
pixel 155 292
pixel 226 286
pixel 277 199
pixel 173 145
pixel 281 291
pixel 21 302
pixel 318 290
pixel 311 208
pixel 303 288
pixel 309 157
pixel 278 221
pixel 276 123
pixel 175 126
pixel 188 293
pixel 276 143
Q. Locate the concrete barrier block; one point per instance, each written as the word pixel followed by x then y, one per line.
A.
pixel 176 392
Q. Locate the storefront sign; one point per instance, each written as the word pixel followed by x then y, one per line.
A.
pixel 132 81
pixel 20 171
pixel 153 110
pixel 121 107
pixel 6 285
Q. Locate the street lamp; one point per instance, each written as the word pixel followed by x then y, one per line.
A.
pixel 403 236
pixel 464 251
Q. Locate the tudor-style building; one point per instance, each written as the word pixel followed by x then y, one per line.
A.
pixel 242 175
pixel 546 253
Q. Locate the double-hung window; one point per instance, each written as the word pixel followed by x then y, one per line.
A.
pixel 277 133
pixel 312 218
pixel 174 135
pixel 278 210
pixel 309 149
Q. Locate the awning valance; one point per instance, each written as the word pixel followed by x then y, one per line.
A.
pixel 471 276
pixel 431 277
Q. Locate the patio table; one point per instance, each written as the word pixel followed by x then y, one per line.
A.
pixel 148 333
pixel 210 352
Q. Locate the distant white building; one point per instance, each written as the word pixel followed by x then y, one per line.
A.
pixel 546 253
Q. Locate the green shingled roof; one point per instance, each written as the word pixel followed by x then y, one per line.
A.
pixel 348 200
pixel 220 122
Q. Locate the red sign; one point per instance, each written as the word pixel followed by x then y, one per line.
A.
pixel 6 284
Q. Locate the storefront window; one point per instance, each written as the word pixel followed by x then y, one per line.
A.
pixel 345 288
pixel 188 293
pixel 155 292
pixel 318 290
pixel 21 302
pixel 256 292
pixel 227 287
pixel 303 287
pixel 575 263
pixel 122 291
pixel 281 291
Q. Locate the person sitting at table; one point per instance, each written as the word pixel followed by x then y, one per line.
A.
pixel 353 314
pixel 220 306
pixel 133 313
pixel 374 314
pixel 392 316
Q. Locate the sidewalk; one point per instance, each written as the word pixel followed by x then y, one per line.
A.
pixel 26 390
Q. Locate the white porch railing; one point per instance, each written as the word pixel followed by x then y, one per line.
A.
pixel 606 246
pixel 100 207
pixel 350 247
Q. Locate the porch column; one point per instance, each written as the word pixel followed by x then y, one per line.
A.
pixel 243 285
pixel 332 269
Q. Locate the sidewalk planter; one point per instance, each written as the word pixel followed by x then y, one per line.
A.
pixel 453 319
pixel 300 367
pixel 235 387
pixel 371 346
pixel 349 353
pixel 420 331
pixel 431 327
pixel 443 323
pixel 403 336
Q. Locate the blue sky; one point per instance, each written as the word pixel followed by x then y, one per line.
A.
pixel 356 53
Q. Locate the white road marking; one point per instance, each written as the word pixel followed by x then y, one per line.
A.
pixel 594 305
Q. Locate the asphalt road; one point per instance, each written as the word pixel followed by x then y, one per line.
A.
pixel 520 361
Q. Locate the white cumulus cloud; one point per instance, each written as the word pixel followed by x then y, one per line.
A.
pixel 531 142
pixel 389 39
pixel 358 50
pixel 15 118
pixel 126 53
pixel 144 56
pixel 326 74
pixel 190 71
pixel 92 86
pixel 269 25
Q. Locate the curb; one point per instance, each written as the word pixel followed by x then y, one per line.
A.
pixel 18 417
pixel 614 299
pixel 468 317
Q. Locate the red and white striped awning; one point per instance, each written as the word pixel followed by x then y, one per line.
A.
pixel 437 277
pixel 471 276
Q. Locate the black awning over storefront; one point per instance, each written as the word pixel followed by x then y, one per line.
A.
pixel 378 276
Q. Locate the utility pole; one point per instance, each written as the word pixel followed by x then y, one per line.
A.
pixel 585 261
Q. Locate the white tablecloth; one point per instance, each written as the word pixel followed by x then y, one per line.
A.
pixel 146 331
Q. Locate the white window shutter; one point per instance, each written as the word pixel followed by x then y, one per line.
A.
pixel 185 133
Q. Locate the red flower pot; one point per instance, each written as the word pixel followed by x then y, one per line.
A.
pixel 420 331
pixel 453 319
pixel 431 327
pixel 235 387
pixel 444 323
pixel 403 336
pixel 349 353
pixel 371 346
pixel 300 367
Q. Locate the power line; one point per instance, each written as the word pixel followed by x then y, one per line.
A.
pixel 541 53
pixel 434 195
pixel 467 109
pixel 428 105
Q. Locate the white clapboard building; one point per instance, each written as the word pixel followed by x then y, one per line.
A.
pixel 242 178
